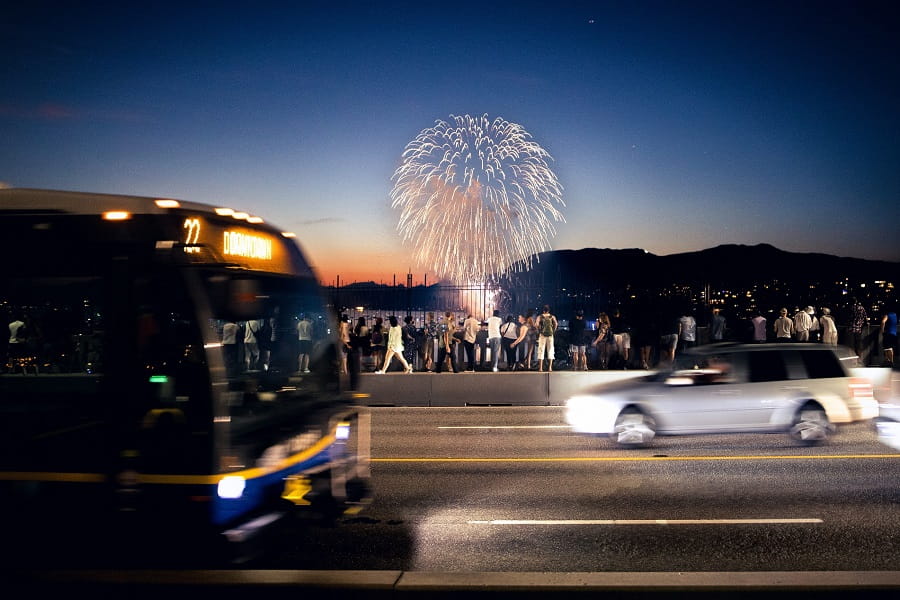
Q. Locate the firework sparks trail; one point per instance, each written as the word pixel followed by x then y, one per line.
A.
pixel 477 198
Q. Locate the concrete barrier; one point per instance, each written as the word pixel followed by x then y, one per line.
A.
pixel 525 388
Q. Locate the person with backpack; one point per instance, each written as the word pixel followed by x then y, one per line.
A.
pixel 546 325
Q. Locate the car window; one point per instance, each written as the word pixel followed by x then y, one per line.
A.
pixel 821 364
pixel 766 366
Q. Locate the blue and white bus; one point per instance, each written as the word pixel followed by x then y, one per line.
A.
pixel 137 414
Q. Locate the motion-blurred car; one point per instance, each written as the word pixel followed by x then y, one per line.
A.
pixel 802 389
pixel 887 425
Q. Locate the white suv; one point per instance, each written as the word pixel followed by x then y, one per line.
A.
pixel 803 389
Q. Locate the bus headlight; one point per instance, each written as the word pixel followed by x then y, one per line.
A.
pixel 342 432
pixel 231 487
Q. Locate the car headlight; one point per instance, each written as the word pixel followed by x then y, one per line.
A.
pixel 888 432
pixel 589 414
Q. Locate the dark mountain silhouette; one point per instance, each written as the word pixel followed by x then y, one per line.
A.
pixel 726 264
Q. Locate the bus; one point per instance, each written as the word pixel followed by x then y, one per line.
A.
pixel 156 397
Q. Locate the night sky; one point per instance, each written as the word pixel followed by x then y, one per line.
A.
pixel 673 126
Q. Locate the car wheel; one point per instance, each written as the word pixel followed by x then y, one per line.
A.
pixel 634 428
pixel 811 425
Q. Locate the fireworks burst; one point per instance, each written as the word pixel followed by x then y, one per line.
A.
pixel 477 198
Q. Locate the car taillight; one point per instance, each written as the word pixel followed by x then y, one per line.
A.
pixel 860 388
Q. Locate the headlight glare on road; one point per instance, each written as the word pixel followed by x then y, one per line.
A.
pixel 889 432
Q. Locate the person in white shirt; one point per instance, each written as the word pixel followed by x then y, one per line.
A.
pixel 14 331
pixel 494 338
pixel 802 323
pixel 395 347
pixel 829 329
pixel 470 333
pixel 783 326
pixel 814 327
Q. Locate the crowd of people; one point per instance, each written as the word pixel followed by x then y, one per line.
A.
pixel 530 340
pixel 540 341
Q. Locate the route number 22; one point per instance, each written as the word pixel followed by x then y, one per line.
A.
pixel 192 235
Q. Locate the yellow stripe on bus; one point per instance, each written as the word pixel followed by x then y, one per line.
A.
pixel 169 479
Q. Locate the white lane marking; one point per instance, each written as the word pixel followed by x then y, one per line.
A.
pixel 645 521
pixel 504 427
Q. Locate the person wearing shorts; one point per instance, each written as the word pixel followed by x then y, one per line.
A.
pixel 577 343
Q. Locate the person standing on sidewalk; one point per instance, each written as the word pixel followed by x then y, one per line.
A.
pixel 530 340
pixel 546 325
pixel 494 338
pixel 251 345
pixel 829 329
pixel 509 332
pixel 622 336
pixel 759 328
pixel 717 326
pixel 687 330
pixel 522 339
pixel 802 323
pixel 470 334
pixel 858 320
pixel 344 333
pixel 430 336
pixel 410 340
pixel 784 327
pixel 377 341
pixel 304 343
pixel 889 336
pixel 446 339
pixel 814 325
pixel 229 346
pixel 577 348
pixel 605 339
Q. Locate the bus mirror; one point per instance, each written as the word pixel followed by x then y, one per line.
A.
pixel 244 298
